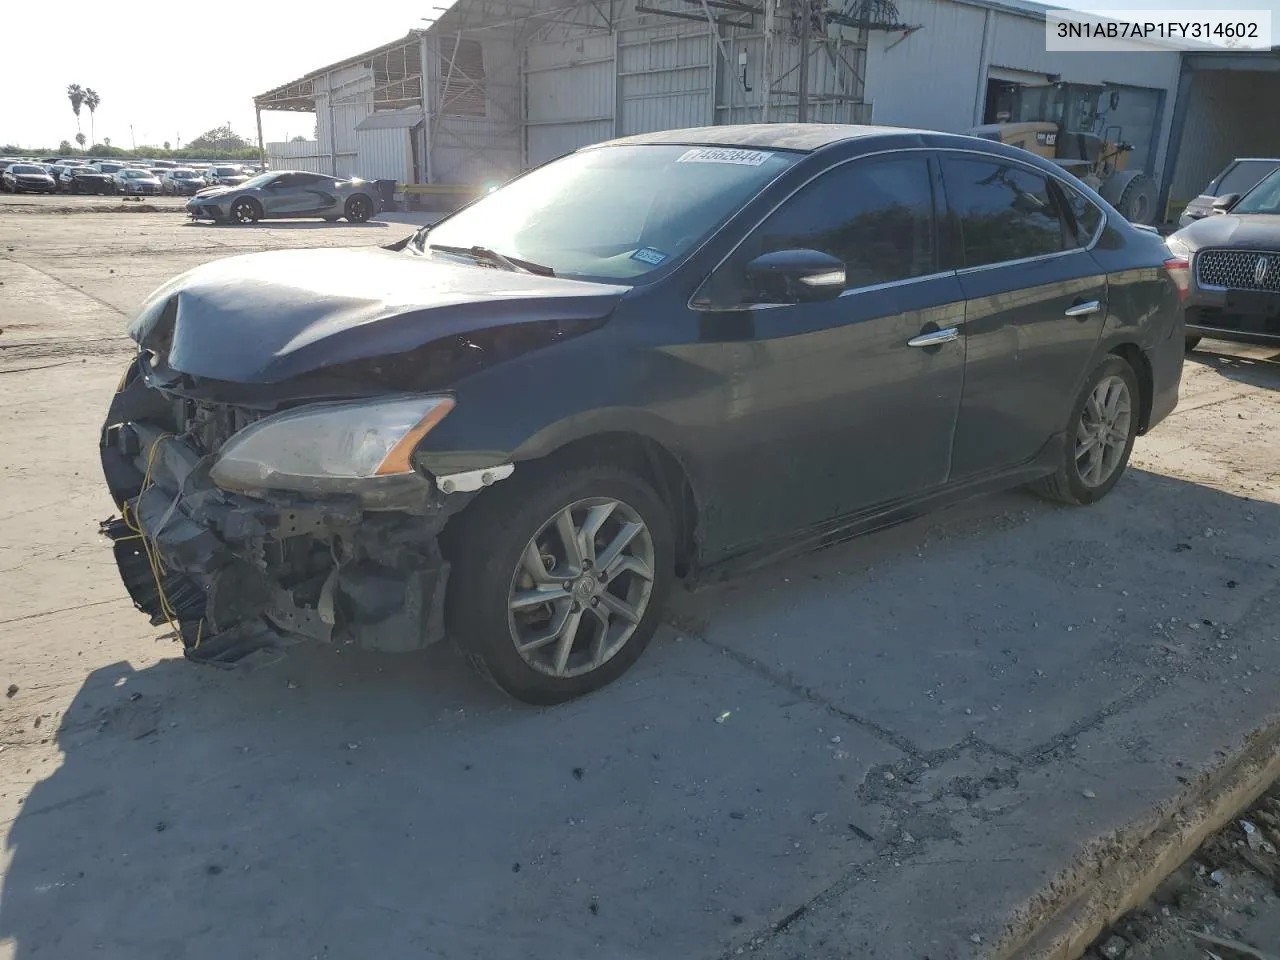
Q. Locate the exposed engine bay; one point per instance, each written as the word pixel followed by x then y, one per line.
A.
pixel 234 574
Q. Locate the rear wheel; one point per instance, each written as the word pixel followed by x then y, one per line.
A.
pixel 359 208
pixel 1192 343
pixel 559 579
pixel 1100 435
pixel 246 210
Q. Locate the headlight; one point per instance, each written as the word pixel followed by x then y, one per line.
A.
pixel 1179 248
pixel 329 447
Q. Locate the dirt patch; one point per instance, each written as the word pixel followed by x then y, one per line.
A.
pixel 1224 902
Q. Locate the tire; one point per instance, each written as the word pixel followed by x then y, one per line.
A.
pixel 1068 484
pixel 1192 343
pixel 486 544
pixel 1137 202
pixel 245 210
pixel 358 209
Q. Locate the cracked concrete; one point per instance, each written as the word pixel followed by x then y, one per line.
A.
pixel 918 744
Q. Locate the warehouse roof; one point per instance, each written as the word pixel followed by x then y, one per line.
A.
pixel 390 69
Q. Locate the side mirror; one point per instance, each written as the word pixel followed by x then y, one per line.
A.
pixel 1226 202
pixel 795 276
pixel 1114 99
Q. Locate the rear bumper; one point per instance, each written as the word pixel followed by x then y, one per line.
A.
pixel 1166 359
pixel 236 574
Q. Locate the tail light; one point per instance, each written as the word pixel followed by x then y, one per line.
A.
pixel 1179 271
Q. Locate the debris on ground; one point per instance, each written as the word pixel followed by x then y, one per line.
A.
pixel 1224 902
pixel 12 691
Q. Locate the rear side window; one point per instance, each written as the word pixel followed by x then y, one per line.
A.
pixel 1006 212
pixel 1243 176
pixel 1085 213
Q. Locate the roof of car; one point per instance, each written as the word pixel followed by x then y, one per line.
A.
pixel 778 136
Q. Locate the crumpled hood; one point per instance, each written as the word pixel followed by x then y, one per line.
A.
pixel 268 317
pixel 1253 231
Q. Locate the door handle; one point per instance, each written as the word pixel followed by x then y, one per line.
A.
pixel 935 338
pixel 1084 309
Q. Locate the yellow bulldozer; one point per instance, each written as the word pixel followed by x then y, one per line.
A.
pixel 1067 123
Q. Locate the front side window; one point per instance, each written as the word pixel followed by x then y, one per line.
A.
pixel 1006 212
pixel 613 213
pixel 874 216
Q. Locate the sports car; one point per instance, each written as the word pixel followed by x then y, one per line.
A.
pixel 284 194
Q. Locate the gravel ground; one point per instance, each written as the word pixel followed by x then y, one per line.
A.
pixel 929 739
pixel 1223 903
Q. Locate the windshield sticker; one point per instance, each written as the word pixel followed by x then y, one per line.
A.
pixel 746 158
pixel 649 255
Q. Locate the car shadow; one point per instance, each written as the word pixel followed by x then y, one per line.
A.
pixel 293 225
pixel 346 804
pixel 1256 365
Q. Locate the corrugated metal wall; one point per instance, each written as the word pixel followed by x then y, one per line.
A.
pixel 1223 123
pixel 570 95
pixel 384 155
pixel 476 149
pixel 665 77
pixel 298 155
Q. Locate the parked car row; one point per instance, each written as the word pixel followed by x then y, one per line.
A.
pixel 123 177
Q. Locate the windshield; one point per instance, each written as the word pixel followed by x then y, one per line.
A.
pixel 25 168
pixel 183 174
pixel 110 167
pixel 614 213
pixel 134 174
pixel 226 172
pixel 1244 175
pixel 1264 198
pixel 261 180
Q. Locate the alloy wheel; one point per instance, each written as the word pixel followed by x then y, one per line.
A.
pixel 581 588
pixel 243 212
pixel 359 209
pixel 1103 433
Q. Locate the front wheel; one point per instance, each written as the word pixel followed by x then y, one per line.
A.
pixel 359 208
pixel 559 579
pixel 246 210
pixel 1100 435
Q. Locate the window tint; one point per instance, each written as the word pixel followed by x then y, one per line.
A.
pixel 1085 212
pixel 875 216
pixel 1243 176
pixel 1006 211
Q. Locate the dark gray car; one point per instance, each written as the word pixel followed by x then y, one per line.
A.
pixel 1235 269
pixel 286 194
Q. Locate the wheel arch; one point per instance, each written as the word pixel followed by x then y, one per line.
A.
pixel 1136 357
pixel 656 463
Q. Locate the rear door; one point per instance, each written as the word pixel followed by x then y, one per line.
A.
pixel 1036 302
pixel 830 408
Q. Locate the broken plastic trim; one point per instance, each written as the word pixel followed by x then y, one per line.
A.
pixel 470 480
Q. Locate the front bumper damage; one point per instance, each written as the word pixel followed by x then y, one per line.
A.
pixel 235 575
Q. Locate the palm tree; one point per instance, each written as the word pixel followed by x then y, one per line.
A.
pixel 75 93
pixel 80 140
pixel 91 100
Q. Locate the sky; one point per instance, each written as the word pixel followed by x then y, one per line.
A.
pixel 177 71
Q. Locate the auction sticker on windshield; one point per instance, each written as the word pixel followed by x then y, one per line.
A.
pixel 746 158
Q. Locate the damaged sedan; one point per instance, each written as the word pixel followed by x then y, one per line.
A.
pixel 517 428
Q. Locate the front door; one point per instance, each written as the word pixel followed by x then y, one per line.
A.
pixel 834 407
pixel 1036 304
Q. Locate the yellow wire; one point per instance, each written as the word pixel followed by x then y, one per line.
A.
pixel 153 552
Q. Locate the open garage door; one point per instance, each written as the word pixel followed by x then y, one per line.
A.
pixel 1223 111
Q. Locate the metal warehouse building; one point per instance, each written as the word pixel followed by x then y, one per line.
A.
pixel 492 88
